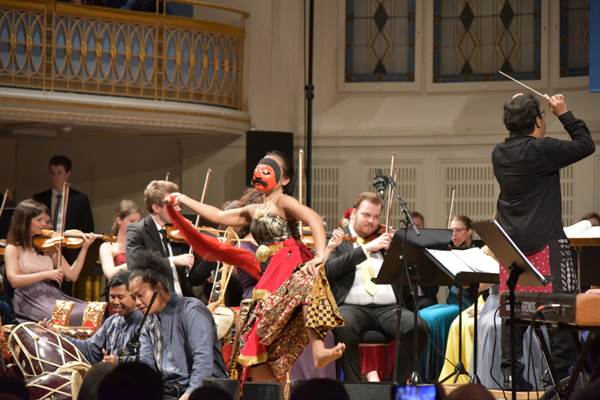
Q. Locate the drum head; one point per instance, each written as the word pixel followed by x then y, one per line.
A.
pixel 38 350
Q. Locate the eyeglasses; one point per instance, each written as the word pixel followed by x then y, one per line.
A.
pixel 458 229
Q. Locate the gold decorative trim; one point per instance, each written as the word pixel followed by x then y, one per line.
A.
pixel 98 50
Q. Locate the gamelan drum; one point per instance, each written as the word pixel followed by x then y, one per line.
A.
pixel 38 350
pixel 62 384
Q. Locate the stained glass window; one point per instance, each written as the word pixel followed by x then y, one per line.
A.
pixel 380 41
pixel 473 39
pixel 574 37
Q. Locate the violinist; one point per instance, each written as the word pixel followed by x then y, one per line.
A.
pixel 363 304
pixel 150 233
pixel 112 254
pixel 36 276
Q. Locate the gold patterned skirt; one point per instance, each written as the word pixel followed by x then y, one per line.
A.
pixel 276 330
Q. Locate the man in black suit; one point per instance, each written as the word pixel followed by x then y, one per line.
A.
pixel 363 304
pixel 150 234
pixel 79 211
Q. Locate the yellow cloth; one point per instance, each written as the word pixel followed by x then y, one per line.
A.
pixel 367 270
pixel 468 329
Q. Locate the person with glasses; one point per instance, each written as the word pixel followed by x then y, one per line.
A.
pixel 527 167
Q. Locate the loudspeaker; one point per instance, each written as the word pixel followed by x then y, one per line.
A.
pixel 262 391
pixel 369 391
pixel 231 386
pixel 259 143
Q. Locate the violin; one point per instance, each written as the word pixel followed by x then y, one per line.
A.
pixel 174 235
pixel 71 239
pixel 378 232
pixel 2 246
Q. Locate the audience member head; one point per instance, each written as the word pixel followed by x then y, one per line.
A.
pixel 131 380
pixel 589 392
pixel 12 388
pixel 154 194
pixel 365 218
pixel 522 115
pixel 319 389
pixel 593 217
pixel 28 219
pixel 470 391
pixel 126 213
pixel 121 301
pixel 462 231
pixel 210 393
pixel 59 169
pixel 274 170
pixel 93 378
pixel 419 219
pixel 149 275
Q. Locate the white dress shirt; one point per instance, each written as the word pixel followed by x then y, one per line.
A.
pixel 358 294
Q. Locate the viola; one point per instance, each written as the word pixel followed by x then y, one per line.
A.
pixel 71 239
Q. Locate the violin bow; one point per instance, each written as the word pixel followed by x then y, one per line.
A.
pixel 453 191
pixel 63 219
pixel 301 187
pixel 197 222
pixel 388 211
pixel 4 198
pixel 167 176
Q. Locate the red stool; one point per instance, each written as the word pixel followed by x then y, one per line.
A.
pixel 376 351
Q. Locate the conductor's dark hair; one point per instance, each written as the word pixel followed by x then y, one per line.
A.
pixel 61 160
pixel 150 268
pixel 520 114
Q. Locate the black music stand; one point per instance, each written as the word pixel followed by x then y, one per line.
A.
pixel 508 254
pixel 469 276
pixel 399 267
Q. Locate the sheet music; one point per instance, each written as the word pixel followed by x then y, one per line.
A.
pixel 582 229
pixel 450 261
pixel 470 260
pixel 478 261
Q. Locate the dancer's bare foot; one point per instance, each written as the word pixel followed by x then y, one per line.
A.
pixel 323 356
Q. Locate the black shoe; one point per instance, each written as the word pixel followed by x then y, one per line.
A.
pixel 521 384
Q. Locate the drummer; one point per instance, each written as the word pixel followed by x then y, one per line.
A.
pixel 179 338
pixel 109 343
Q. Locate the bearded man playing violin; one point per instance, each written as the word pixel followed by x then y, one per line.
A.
pixel 364 305
pixel 150 233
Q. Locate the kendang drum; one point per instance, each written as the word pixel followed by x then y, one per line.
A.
pixel 38 350
pixel 62 384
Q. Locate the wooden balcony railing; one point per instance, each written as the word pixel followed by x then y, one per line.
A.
pixel 56 46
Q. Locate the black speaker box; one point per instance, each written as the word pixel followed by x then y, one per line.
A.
pixel 369 391
pixel 258 143
pixel 231 386
pixel 262 391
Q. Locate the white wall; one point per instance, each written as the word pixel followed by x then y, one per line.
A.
pixel 435 130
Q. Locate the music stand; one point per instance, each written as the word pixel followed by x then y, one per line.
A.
pixel 508 254
pixel 469 276
pixel 403 255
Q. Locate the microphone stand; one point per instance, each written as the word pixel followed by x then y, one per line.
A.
pixel 133 347
pixel 412 279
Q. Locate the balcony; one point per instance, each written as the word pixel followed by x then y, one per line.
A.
pixel 76 70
